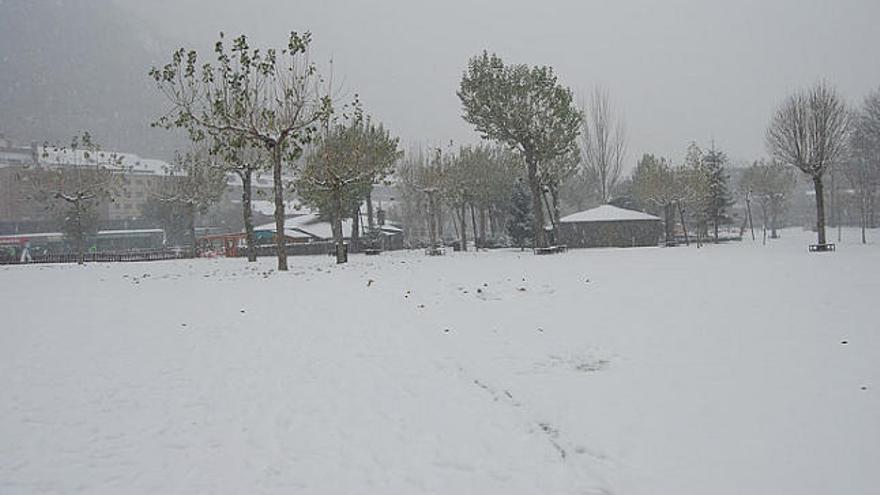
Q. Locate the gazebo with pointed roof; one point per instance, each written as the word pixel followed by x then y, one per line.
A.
pixel 610 226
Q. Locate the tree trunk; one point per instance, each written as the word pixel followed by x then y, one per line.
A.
pixel 482 226
pixel 669 223
pixel 463 218
pixel 763 224
pixel 79 241
pixel 432 222
pixel 356 231
pixel 864 212
pixel 872 217
pixel 247 213
pixel 429 219
pixel 537 207
pixel 554 196
pixel 370 222
pixel 684 229
pixel 835 206
pixel 774 220
pixel 191 227
pixel 341 255
pixel 493 221
pixel 820 208
pixel 438 217
pixel 474 224
pixel 549 209
pixel 749 212
pixel 278 187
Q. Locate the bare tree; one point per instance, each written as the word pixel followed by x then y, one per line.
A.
pixel 603 143
pixel 194 183
pixel 75 181
pixel 273 99
pixel 810 131
pixel 409 184
pixel 479 178
pixel 457 186
pixel 862 168
pixel 771 185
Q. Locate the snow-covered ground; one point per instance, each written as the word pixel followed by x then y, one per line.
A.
pixel 726 370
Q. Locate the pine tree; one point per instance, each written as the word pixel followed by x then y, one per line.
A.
pixel 520 225
pixel 718 198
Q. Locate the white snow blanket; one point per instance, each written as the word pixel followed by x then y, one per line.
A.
pixel 723 370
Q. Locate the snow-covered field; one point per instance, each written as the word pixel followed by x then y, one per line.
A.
pixel 726 370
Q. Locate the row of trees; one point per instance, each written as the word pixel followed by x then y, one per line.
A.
pixel 527 110
pixel 862 166
pixel 696 191
pixel 257 109
pixel 474 184
pixel 249 110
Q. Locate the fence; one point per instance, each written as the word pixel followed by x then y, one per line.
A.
pixel 107 257
pixel 310 248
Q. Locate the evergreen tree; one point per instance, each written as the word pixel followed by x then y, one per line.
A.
pixel 520 224
pixel 718 197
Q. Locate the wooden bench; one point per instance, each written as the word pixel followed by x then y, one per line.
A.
pixel 551 249
pixel 435 251
pixel 372 251
pixel 822 248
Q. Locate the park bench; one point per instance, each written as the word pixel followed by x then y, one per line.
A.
pixel 552 249
pixel 821 248
pixel 372 251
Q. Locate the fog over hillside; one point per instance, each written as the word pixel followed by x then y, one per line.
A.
pixel 79 65
pixel 679 71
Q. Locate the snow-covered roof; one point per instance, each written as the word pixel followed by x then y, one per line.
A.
pixel 258 180
pixel 311 226
pixel 52 156
pixel 307 226
pixel 607 213
pixel 267 207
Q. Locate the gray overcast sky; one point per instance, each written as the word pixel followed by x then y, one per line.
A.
pixel 679 70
